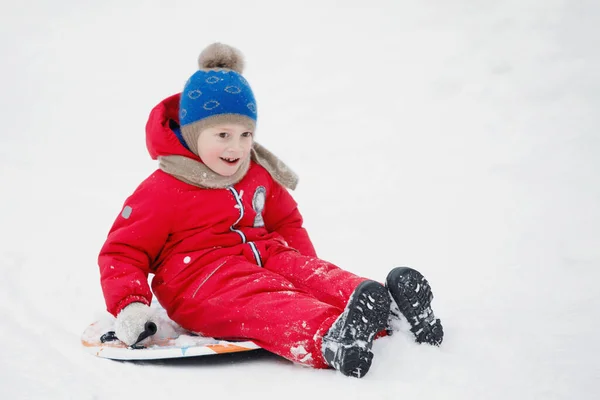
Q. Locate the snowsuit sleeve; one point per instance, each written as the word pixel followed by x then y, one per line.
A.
pixel 282 216
pixel 133 243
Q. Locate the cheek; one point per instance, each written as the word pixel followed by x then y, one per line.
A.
pixel 209 152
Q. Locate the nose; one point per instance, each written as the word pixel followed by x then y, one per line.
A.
pixel 235 145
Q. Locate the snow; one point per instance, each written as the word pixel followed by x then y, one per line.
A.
pixel 460 138
pixel 300 353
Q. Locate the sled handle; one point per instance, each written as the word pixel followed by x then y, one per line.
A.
pixel 108 337
pixel 149 330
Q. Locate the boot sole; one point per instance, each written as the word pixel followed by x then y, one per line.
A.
pixel 368 312
pixel 413 296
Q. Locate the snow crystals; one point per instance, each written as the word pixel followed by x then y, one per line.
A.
pixel 300 353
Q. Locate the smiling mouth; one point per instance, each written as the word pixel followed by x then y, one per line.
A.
pixel 230 160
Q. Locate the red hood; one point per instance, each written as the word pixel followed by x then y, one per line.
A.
pixel 161 139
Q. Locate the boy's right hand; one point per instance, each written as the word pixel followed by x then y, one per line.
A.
pixel 131 322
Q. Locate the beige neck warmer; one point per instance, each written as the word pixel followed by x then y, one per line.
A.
pixel 196 173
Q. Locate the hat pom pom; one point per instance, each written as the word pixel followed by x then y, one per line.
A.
pixel 219 55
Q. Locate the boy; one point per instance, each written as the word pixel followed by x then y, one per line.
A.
pixel 224 239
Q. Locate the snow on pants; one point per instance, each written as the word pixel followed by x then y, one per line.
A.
pixel 285 307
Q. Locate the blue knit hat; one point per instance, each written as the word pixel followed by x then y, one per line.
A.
pixel 216 93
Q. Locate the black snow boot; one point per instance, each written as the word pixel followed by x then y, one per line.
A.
pixel 412 295
pixel 347 345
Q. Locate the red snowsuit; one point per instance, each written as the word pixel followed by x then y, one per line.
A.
pixel 228 263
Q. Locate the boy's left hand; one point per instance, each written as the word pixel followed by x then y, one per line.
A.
pixel 131 322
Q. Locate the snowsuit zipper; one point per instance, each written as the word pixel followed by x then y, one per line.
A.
pixel 238 199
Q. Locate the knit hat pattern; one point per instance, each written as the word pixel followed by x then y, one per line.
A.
pixel 217 88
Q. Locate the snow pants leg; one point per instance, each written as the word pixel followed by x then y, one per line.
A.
pixel 285 307
pixel 322 279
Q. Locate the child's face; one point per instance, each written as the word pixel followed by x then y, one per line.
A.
pixel 224 147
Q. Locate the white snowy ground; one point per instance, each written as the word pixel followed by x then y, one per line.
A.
pixel 461 138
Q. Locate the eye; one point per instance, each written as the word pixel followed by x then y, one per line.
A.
pixel 247 134
pixel 223 135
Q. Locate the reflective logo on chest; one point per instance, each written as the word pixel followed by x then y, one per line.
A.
pixel 258 204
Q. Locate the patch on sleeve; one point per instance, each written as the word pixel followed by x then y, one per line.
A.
pixel 126 212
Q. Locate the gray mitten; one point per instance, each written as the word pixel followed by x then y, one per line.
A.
pixel 131 322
